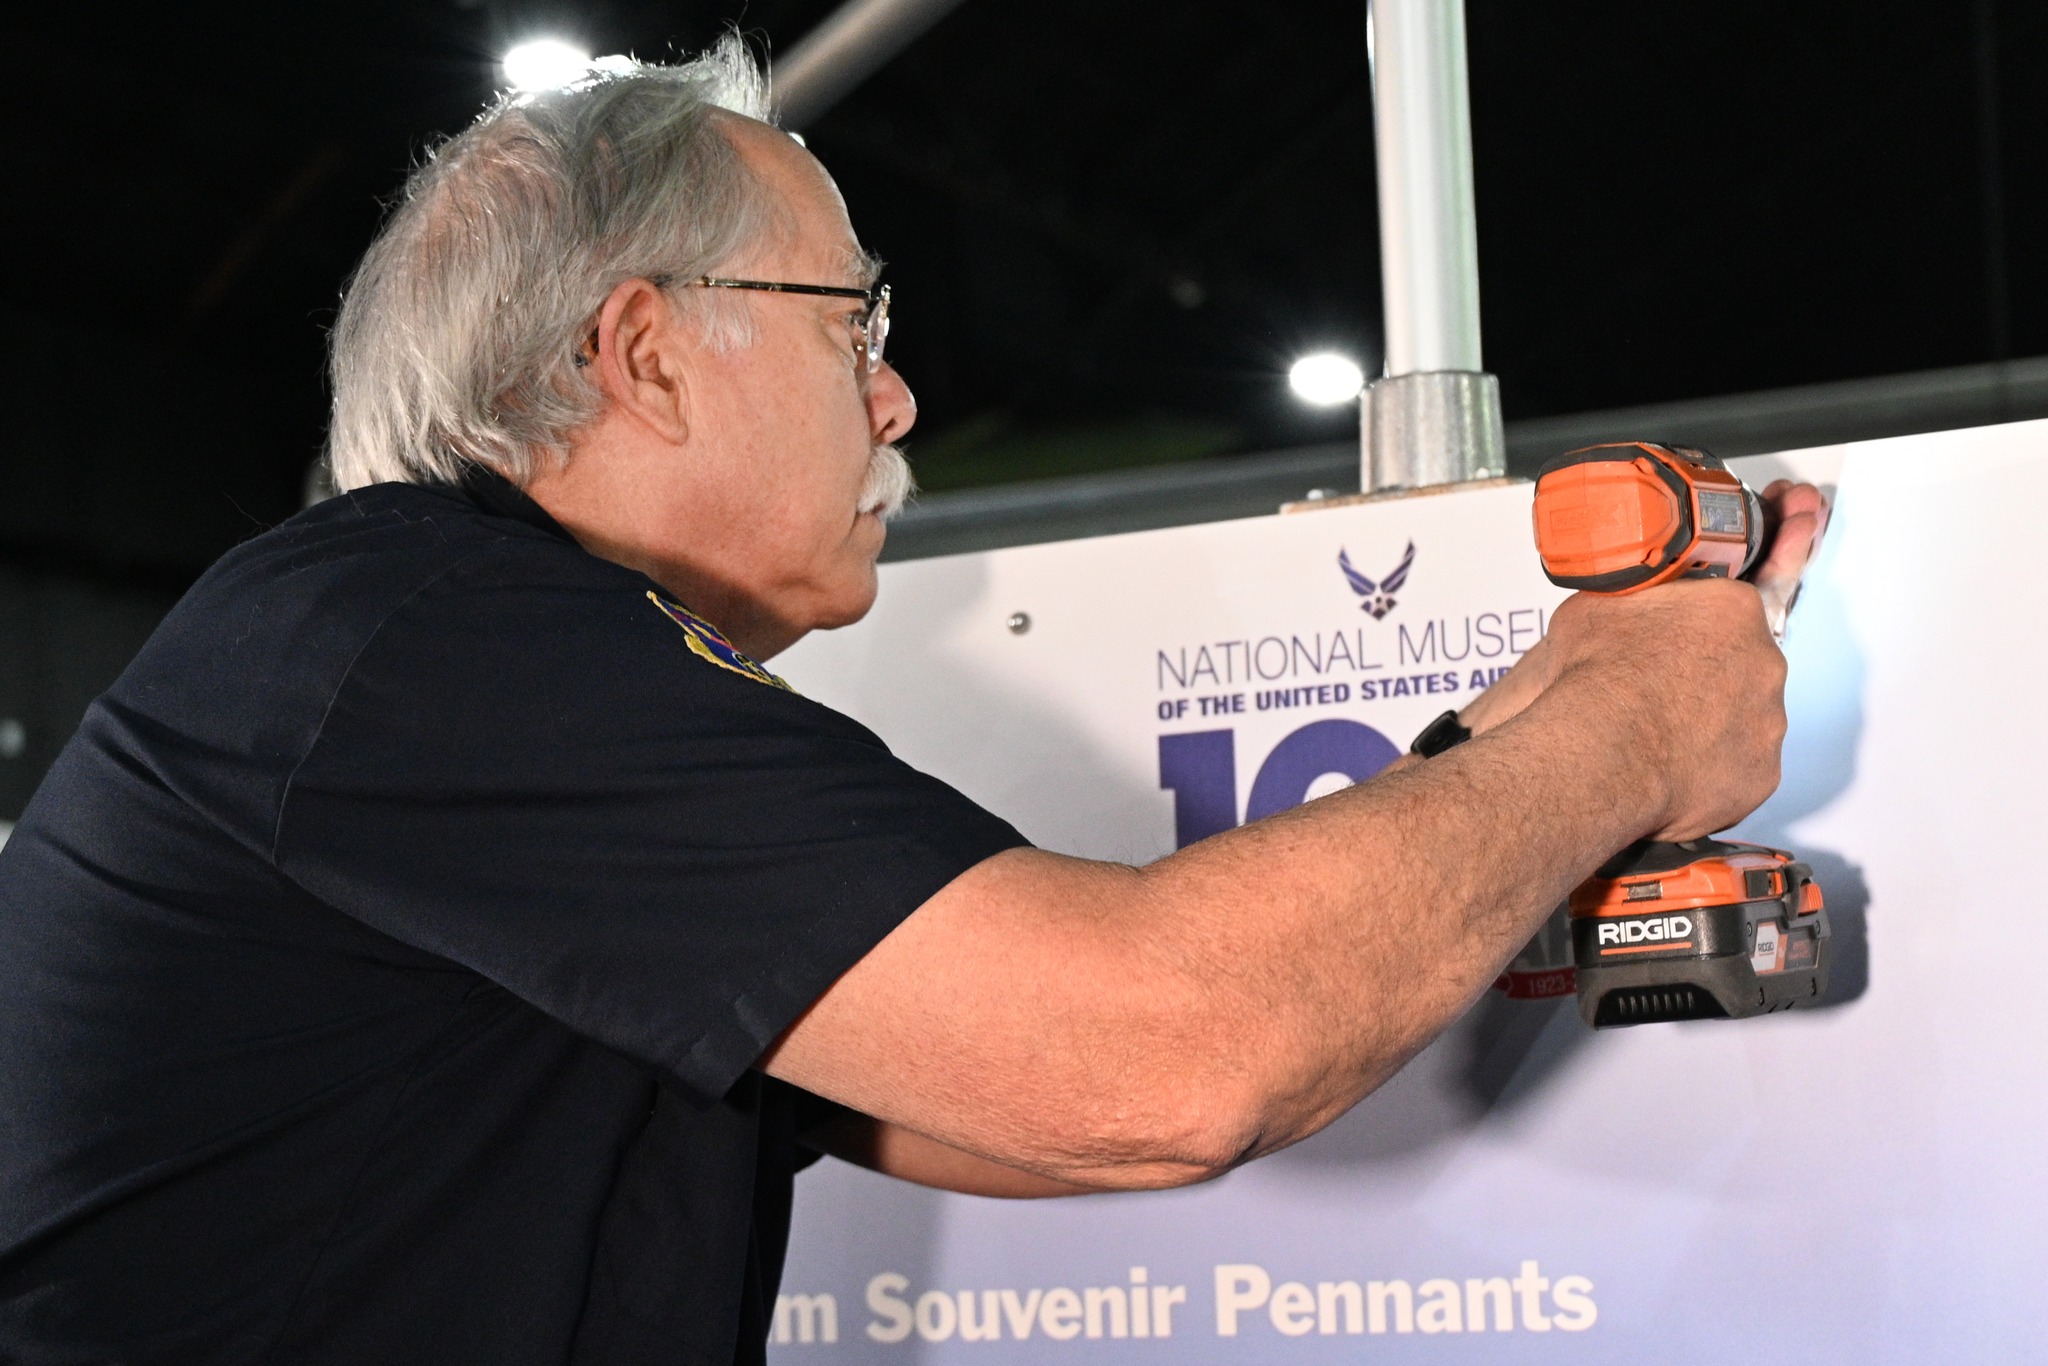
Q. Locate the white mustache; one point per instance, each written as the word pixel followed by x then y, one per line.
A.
pixel 889 484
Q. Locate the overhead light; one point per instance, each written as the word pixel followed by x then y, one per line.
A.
pixel 545 64
pixel 1326 379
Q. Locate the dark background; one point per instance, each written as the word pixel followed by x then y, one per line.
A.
pixel 1111 226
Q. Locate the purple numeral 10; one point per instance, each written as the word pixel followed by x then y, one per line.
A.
pixel 1200 769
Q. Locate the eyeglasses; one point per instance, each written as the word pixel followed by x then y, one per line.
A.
pixel 873 325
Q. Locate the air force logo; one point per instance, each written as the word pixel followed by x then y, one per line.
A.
pixel 708 643
pixel 1378 597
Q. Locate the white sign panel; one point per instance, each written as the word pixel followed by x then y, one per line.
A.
pixel 1856 1183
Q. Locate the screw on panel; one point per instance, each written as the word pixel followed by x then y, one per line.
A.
pixel 1019 623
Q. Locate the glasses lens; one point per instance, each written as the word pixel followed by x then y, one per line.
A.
pixel 876 330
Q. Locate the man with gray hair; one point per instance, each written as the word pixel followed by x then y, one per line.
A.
pixel 447 939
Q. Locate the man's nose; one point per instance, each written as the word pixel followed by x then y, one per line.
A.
pixel 892 408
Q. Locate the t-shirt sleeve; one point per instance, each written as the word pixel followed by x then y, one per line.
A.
pixel 544 779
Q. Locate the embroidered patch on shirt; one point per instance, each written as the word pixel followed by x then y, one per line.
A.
pixel 706 642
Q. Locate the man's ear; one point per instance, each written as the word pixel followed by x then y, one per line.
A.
pixel 640 360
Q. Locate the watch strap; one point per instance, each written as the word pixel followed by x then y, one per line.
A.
pixel 1440 735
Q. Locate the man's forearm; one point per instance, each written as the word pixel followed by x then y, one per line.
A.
pixel 1109 1026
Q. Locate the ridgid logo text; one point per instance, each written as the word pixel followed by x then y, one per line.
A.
pixel 1655 930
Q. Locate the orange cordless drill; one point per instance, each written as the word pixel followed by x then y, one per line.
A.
pixel 1706 928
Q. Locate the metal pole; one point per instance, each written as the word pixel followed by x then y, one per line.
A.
pixel 1435 416
pixel 847 47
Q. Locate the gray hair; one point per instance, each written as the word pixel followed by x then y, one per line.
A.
pixel 458 336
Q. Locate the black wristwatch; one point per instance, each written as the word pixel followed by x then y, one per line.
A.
pixel 1439 735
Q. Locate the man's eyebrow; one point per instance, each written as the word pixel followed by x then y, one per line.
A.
pixel 862 267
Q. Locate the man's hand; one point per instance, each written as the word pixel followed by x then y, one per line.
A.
pixel 1687 678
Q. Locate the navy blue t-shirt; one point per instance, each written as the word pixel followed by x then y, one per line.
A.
pixel 387 956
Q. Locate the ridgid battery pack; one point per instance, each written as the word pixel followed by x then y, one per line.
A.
pixel 1699 930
